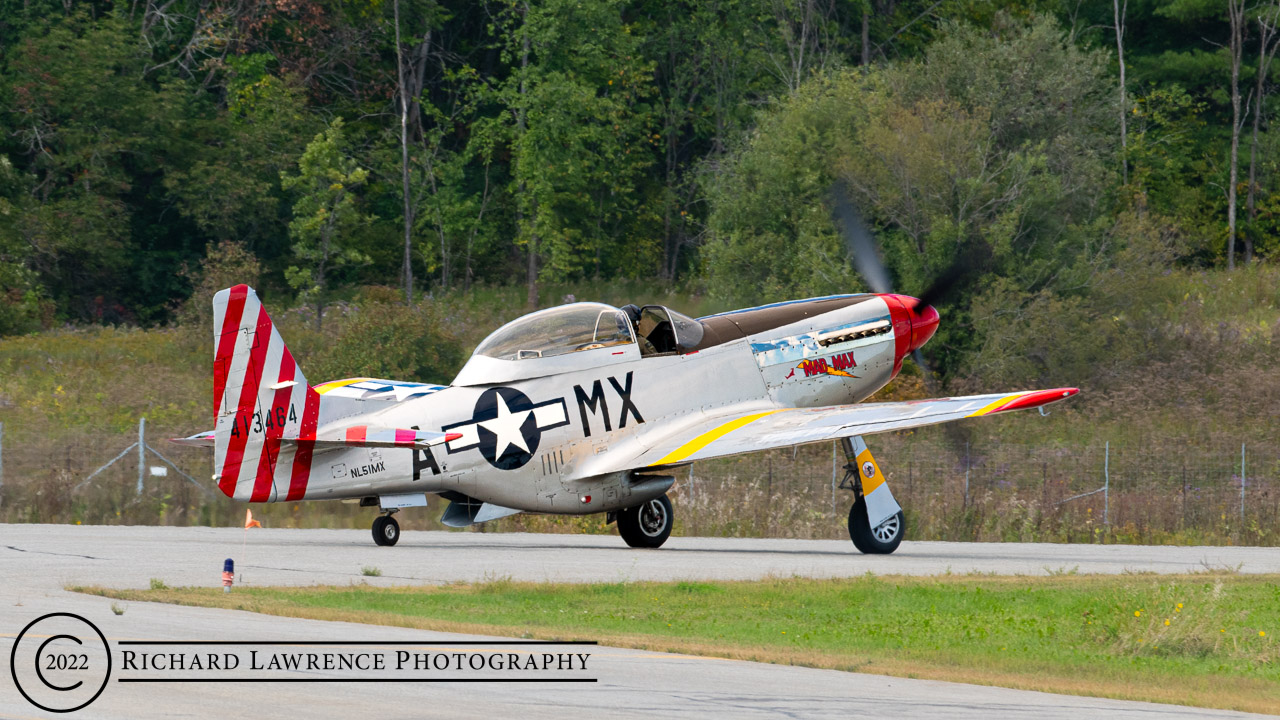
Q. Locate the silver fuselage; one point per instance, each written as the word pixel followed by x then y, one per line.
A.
pixel 576 409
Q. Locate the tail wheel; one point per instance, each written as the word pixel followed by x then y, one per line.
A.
pixel 648 524
pixel 879 540
pixel 386 531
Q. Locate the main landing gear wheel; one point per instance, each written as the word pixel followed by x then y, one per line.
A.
pixel 879 540
pixel 386 531
pixel 647 525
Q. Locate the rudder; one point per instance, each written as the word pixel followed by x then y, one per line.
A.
pixel 260 397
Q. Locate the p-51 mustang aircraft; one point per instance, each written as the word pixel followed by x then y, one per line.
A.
pixel 578 409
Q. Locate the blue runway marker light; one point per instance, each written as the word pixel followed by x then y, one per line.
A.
pixel 228 574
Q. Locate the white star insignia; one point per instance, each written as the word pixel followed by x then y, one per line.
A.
pixel 507 427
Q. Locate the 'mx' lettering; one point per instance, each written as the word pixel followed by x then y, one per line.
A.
pixel 596 403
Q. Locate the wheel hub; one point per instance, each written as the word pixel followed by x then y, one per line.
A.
pixel 653 518
pixel 887 530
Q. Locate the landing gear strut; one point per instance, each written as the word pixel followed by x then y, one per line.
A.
pixel 647 525
pixel 862 476
pixel 386 531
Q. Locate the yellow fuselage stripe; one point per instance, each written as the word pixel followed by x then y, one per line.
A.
pixel 996 404
pixel 709 437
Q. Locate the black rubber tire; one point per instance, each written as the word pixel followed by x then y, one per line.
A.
pixel 863 536
pixel 647 525
pixel 386 531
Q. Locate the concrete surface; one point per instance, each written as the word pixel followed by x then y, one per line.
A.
pixel 37 561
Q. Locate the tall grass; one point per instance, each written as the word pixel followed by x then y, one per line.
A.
pixel 70 401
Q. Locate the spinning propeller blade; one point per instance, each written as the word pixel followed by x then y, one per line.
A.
pixel 864 251
pixel 859 241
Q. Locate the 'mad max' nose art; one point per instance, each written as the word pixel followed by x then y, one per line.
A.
pixel 579 409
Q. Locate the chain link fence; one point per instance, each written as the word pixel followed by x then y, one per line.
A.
pixel 1174 491
pixel 1177 492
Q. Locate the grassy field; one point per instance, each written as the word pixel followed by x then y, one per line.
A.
pixel 1206 640
pixel 70 400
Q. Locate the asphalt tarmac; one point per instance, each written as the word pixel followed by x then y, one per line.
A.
pixel 38 561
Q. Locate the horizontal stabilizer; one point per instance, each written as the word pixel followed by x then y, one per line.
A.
pixel 365 436
pixel 204 439
pixel 354 436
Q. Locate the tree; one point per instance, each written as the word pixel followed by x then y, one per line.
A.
pixel 769 234
pixel 714 64
pixel 406 273
pixel 580 140
pixel 225 264
pixel 325 210
pixel 23 305
pixel 1268 42
pixel 994 147
pixel 1167 163
pixel 1120 11
pixel 807 30
pixel 89 137
pixel 453 185
pixel 1235 13
pixel 229 185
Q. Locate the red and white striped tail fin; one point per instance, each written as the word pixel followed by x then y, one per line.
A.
pixel 260 397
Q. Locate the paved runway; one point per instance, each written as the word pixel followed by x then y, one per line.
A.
pixel 37 561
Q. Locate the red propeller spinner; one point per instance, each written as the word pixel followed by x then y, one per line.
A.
pixel 913 325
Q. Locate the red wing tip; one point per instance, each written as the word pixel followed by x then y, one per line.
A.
pixel 1038 398
pixel 450 437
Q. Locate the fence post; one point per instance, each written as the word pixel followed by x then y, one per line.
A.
pixel 693 500
pixel 833 477
pixel 1106 485
pixel 966 474
pixel 142 452
pixel 1242 477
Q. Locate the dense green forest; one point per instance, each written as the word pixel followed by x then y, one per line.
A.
pixel 399 177
pixel 432 147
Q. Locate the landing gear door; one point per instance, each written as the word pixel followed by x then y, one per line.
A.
pixel 881 504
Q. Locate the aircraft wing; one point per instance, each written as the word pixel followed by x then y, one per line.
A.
pixel 734 434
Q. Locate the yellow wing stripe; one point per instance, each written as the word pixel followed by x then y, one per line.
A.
pixel 323 388
pixel 997 404
pixel 709 437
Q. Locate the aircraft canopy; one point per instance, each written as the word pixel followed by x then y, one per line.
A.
pixel 559 331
